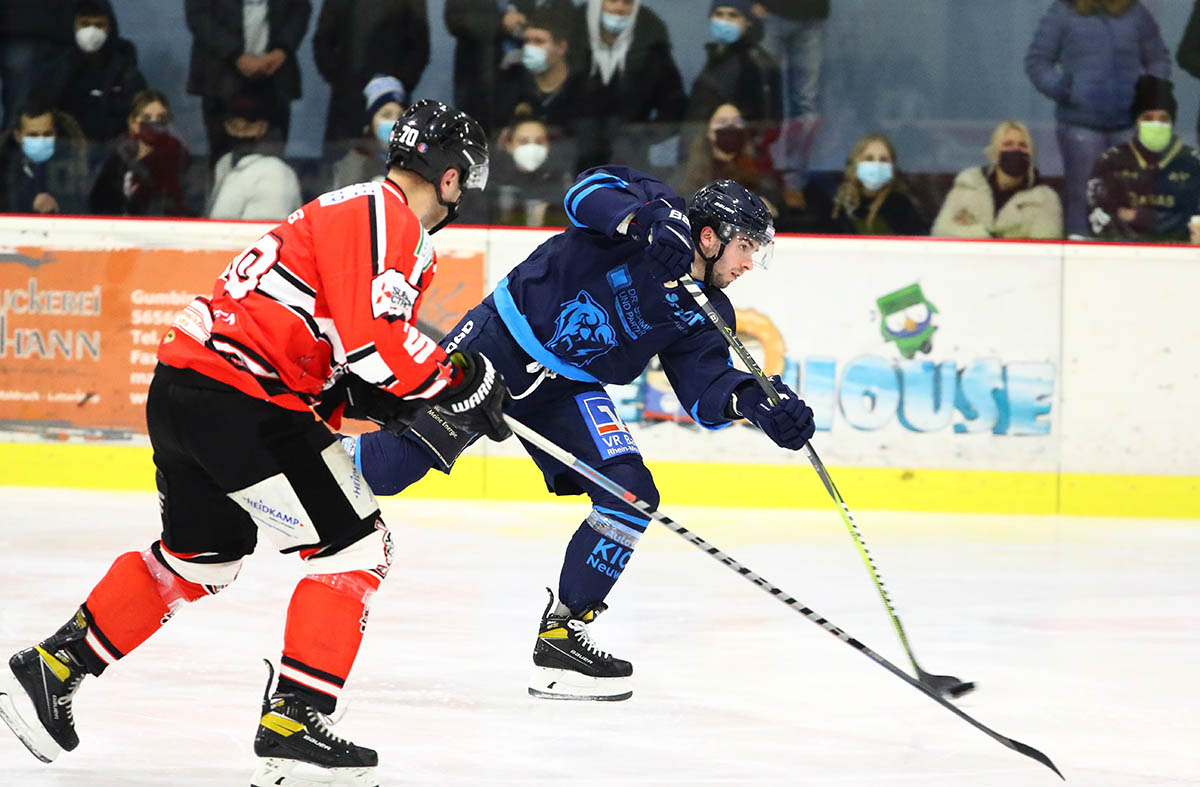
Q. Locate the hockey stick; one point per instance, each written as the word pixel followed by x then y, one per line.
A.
pixel 943 684
pixel 574 463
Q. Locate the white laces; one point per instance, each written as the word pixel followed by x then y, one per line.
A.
pixel 322 721
pixel 585 638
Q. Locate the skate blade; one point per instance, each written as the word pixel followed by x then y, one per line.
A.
pixel 280 772
pixel 17 711
pixel 557 684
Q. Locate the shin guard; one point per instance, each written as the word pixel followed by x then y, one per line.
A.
pixel 325 624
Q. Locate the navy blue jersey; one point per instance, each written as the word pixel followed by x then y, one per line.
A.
pixel 590 306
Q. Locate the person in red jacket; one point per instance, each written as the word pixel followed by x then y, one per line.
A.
pixel 321 311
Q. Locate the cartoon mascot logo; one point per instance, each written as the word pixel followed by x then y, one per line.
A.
pixel 582 331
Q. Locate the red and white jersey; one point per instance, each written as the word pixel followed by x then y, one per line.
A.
pixel 334 288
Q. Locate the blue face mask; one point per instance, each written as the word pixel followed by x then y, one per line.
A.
pixel 535 59
pixel 614 23
pixel 38 149
pixel 724 31
pixel 383 132
pixel 874 175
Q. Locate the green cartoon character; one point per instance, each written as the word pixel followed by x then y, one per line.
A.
pixel 907 320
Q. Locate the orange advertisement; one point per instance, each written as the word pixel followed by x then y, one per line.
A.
pixel 79 329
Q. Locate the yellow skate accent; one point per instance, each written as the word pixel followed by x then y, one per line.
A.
pixel 557 633
pixel 281 724
pixel 60 670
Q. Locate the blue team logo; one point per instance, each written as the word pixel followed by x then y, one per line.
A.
pixel 609 432
pixel 582 331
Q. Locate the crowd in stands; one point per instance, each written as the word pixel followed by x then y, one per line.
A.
pixel 561 85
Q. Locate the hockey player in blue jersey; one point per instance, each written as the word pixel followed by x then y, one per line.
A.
pixel 592 305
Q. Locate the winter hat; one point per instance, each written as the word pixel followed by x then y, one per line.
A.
pixel 742 6
pixel 1153 93
pixel 382 89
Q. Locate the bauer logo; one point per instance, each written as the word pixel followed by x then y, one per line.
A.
pixel 608 431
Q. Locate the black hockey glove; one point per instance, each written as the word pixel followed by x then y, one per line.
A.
pixel 789 424
pixel 665 227
pixel 366 402
pixel 477 402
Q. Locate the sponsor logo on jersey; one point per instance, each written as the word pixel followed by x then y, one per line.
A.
pixel 684 319
pixel 628 310
pixel 392 297
pixel 608 431
pixel 582 331
pixel 608 558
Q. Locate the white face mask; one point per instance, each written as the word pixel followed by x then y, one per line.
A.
pixel 90 39
pixel 530 156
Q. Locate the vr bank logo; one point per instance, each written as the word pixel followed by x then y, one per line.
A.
pixel 608 431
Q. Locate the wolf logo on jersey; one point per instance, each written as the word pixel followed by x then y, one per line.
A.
pixel 582 330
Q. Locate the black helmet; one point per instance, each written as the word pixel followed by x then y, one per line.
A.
pixel 730 208
pixel 432 137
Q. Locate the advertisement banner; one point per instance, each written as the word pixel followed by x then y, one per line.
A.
pixel 79 327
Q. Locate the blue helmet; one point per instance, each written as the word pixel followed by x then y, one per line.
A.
pixel 732 209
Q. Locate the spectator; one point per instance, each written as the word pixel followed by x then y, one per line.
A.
pixel 33 34
pixel 542 84
pixel 737 70
pixel 490 34
pixel 367 159
pixel 631 77
pixel 1086 56
pixel 242 46
pixel 358 39
pixel 728 150
pixel 43 163
pixel 95 80
pixel 531 177
pixel 1005 198
pixel 250 182
pixel 142 175
pixel 873 198
pixel 792 35
pixel 1188 55
pixel 1149 187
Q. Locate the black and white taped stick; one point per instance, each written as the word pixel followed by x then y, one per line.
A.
pixel 943 684
pixel 644 508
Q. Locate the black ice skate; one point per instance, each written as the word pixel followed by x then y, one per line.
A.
pixel 296 748
pixel 569 666
pixel 35 694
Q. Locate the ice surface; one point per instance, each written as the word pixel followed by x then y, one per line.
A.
pixel 1083 635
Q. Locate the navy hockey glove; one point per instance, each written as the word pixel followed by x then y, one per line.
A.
pixel 666 228
pixel 477 401
pixel 789 424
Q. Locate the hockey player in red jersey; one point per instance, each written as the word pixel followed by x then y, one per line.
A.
pixel 319 314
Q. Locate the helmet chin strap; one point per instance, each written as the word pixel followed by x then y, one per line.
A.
pixel 710 263
pixel 451 208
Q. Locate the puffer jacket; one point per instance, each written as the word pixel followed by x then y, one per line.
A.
pixel 1034 212
pixel 1089 64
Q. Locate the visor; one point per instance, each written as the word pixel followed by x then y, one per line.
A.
pixel 765 252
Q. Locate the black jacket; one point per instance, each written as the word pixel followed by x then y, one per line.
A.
pixel 47 20
pixel 799 10
pixel 741 73
pixel 1163 188
pixel 217 41
pixel 96 89
pixel 357 39
pixel 63 176
pixel 476 25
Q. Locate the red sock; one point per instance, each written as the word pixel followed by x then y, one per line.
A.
pixel 325 624
pixel 127 605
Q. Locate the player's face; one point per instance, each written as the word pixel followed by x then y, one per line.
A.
pixel 737 260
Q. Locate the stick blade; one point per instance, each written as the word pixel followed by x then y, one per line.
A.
pixel 946 685
pixel 1033 753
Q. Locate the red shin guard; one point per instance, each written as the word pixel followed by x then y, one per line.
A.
pixel 325 624
pixel 131 602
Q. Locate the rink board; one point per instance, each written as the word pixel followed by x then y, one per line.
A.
pixel 944 375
